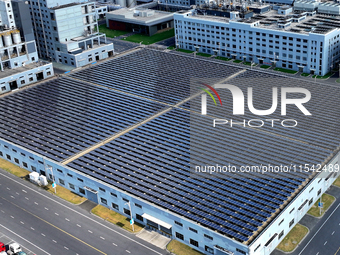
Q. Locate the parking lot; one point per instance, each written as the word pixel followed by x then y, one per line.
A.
pixel 7 241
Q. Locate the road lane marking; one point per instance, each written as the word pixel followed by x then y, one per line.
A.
pixel 127 251
pixel 333 232
pixel 74 237
pixel 66 248
pixel 12 197
pixel 27 198
pixel 2 211
pixel 12 217
pixel 114 244
pixel 78 225
pixel 25 239
pixel 319 229
pixel 8 188
pixel 24 191
pixel 42 234
pixel 102 238
pixel 17 193
pixel 83 215
pixel 54 241
pixel 317 253
pixel 337 251
pixel 22 222
pixel 32 228
pixel 36 203
pixel 56 214
pixel 90 231
pixel 325 243
pixel 46 208
pixel 67 219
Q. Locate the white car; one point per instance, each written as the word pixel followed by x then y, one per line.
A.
pixel 13 248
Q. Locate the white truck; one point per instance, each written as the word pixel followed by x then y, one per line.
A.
pixel 13 249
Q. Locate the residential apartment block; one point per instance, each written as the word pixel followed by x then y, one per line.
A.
pixel 305 41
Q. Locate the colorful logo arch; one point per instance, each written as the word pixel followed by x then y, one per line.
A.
pixel 211 95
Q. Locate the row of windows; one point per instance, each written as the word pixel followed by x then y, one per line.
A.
pixel 194 243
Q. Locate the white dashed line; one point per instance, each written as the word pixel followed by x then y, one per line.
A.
pixel 24 191
pixel 102 238
pixel 114 244
pixel 333 232
pixel 22 222
pixel 27 198
pixel 42 234
pixel 90 231
pixel 67 219
pixel 46 208
pixel 36 203
pixel 65 247
pixel 2 211
pixel 54 241
pixel 12 217
pixel 17 193
pixel 56 214
pixel 8 188
pixel 127 251
pixel 32 228
pixel 325 243
pixel 317 253
pixel 78 225
pixel 12 197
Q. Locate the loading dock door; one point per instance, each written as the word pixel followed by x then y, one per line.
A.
pixel 40 76
pixel 13 85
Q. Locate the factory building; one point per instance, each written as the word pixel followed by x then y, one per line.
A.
pixel 68 33
pixel 83 144
pixel 19 62
pixel 305 41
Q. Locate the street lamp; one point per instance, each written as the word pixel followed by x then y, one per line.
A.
pixel 51 168
pixel 197 48
pixel 128 203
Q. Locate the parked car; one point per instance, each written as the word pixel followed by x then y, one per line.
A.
pixel 13 249
pixel 2 247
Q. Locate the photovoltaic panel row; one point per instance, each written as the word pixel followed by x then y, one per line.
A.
pixel 318 129
pixel 156 75
pixel 153 162
pixel 61 117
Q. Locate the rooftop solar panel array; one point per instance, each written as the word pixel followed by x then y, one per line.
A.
pixel 61 117
pixel 152 162
pixel 153 74
pixel 320 129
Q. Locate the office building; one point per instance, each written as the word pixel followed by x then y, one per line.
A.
pixel 67 32
pixel 305 41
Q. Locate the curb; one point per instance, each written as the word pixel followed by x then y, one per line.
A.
pixel 289 252
pixel 324 211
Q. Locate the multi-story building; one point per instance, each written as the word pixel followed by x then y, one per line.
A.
pixel 304 41
pixel 68 33
pixel 18 54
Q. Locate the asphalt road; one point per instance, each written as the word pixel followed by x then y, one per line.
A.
pixel 326 239
pixel 121 46
pixel 167 42
pixel 46 224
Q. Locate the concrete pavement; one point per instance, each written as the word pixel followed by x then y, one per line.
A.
pixel 46 224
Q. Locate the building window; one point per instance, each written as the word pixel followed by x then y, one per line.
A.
pixel 23 154
pixel 281 234
pixel 124 199
pixel 6 146
pixel 31 158
pixel 82 191
pixel 310 201
pixel 240 251
pixel 3 88
pixel 103 201
pixel 1 154
pixel 209 250
pixel 60 171
pixel 291 223
pixel 193 230
pixel 138 205
pixel 70 175
pixel 61 181
pixel 193 242
pixel 139 217
pixel 22 81
pixel 113 194
pixel 291 211
pixel 257 247
pixel 14 150
pixel 16 160
pixel 178 223
pixel 71 186
pixel 115 206
pixel 209 237
pixel 126 211
pixel 179 236
pixel 34 168
pixel 281 222
pixel 24 164
pixel 101 189
pixel 81 180
pixel 319 192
